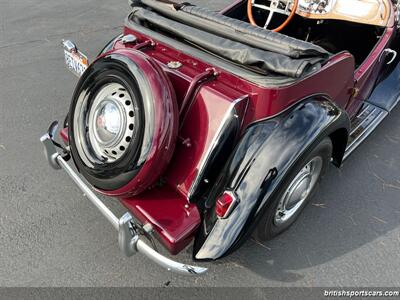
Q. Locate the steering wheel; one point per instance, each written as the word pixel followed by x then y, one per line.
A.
pixel 275 6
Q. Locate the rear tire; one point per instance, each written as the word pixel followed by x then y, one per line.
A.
pixel 295 192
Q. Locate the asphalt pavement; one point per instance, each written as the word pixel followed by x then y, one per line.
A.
pixel 51 236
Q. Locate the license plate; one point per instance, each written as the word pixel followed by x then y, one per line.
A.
pixel 75 60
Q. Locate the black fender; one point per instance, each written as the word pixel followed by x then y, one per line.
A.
pixel 259 163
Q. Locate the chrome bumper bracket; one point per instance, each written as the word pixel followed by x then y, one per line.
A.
pixel 129 240
pixel 127 236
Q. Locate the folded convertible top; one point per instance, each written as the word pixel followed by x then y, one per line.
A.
pixel 271 52
pixel 234 29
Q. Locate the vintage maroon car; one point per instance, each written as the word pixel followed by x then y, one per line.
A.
pixel 209 127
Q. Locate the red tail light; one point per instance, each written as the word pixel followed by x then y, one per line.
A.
pixel 225 204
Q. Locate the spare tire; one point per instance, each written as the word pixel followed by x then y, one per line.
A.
pixel 123 123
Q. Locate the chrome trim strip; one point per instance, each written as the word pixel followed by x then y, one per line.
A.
pixel 200 173
pixel 370 127
pixel 128 239
pixel 395 103
pixel 364 110
pixel 364 120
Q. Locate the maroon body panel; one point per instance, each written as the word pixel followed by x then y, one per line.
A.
pixel 173 219
pixel 198 134
pixel 367 73
pixel 64 135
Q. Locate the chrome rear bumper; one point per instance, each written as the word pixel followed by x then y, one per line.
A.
pixel 129 240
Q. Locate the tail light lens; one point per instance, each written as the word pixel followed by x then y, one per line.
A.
pixel 226 204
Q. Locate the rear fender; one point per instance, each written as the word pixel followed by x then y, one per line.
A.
pixel 258 165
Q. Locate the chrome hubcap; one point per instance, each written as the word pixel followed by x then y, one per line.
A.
pixel 298 191
pixel 107 122
pixel 105 128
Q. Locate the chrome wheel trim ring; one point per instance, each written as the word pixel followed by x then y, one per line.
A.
pixel 298 191
pixel 91 148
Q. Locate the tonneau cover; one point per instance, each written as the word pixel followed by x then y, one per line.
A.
pixel 232 39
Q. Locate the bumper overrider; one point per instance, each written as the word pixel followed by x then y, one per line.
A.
pixel 129 240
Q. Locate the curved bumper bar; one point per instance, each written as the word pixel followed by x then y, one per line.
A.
pixel 128 239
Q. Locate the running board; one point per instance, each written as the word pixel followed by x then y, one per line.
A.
pixel 363 125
